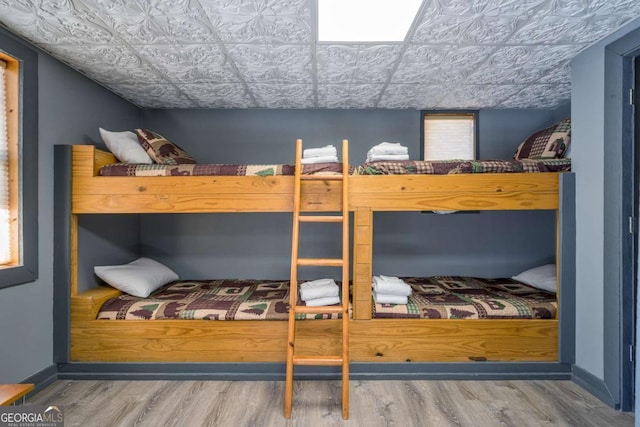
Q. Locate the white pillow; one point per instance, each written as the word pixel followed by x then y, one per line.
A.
pixel 125 146
pixel 138 278
pixel 543 277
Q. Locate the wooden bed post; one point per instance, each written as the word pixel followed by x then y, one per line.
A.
pixel 73 268
pixel 362 262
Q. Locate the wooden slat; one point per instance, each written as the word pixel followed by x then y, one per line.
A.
pixel 317 361
pixel 321 177
pixel 186 203
pixel 321 218
pixel 197 340
pixel 194 194
pixel 328 309
pixel 10 393
pixel 362 260
pixel 509 191
pixel 377 340
pixel 434 340
pixel 323 262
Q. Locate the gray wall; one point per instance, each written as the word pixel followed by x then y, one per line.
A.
pixel 597 104
pixel 258 245
pixel 588 164
pixel 70 108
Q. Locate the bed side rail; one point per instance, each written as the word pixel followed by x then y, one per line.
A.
pixel 87 160
pixel 85 305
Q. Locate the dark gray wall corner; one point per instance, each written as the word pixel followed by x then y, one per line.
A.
pixel 567 267
pixel 62 254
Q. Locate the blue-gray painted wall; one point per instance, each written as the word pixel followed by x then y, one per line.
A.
pixel 409 243
pixel 598 101
pixel 71 108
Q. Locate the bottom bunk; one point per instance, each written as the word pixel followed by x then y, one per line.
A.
pixel 190 324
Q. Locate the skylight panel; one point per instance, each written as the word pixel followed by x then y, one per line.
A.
pixel 365 20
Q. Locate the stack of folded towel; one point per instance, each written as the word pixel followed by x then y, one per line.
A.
pixel 320 292
pixel 326 154
pixel 388 151
pixel 390 290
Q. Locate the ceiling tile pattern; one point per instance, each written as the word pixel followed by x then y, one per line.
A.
pixel 265 53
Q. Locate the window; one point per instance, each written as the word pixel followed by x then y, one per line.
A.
pixel 449 135
pixel 18 148
pixel 9 220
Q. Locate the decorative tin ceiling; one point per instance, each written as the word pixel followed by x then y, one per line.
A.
pixel 264 53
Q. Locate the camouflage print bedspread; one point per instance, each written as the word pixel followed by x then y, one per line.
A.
pixel 447 167
pixel 126 169
pixel 227 299
pixel 456 297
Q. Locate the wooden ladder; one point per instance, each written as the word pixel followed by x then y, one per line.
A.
pixel 331 360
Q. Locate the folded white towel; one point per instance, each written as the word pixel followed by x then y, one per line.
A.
pixel 323 159
pixel 327 150
pixel 317 302
pixel 379 157
pixel 318 289
pixel 390 299
pixel 390 285
pixel 388 148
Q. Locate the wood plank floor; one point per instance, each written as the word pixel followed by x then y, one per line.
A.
pixel 317 403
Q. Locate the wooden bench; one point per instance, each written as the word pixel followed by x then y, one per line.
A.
pixel 9 393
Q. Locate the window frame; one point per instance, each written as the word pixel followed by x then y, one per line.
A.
pixel 476 126
pixel 27 150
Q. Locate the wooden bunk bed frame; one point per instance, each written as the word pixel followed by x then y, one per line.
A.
pixel 371 340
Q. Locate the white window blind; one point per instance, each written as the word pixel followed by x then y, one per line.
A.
pixel 5 226
pixel 449 136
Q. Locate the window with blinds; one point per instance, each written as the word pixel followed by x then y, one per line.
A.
pixel 18 148
pixel 7 253
pixel 448 136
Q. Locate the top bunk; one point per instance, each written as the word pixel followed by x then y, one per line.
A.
pixel 100 184
pixel 93 193
pixel 458 192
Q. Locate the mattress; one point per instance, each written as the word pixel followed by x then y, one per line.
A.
pixel 458 297
pixel 226 299
pixel 447 167
pixel 126 169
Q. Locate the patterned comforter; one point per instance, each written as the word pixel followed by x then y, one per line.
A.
pixel 127 169
pixel 455 297
pixel 446 167
pixel 230 299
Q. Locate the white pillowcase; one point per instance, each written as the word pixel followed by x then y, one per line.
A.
pixel 543 277
pixel 138 278
pixel 125 146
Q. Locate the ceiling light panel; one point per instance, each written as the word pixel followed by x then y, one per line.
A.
pixel 365 20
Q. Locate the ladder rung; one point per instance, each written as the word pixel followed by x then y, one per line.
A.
pixel 318 360
pixel 321 177
pixel 320 218
pixel 323 262
pixel 329 309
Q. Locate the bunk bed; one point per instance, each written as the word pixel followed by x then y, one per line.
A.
pixel 371 339
pixel 384 339
pixel 94 340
